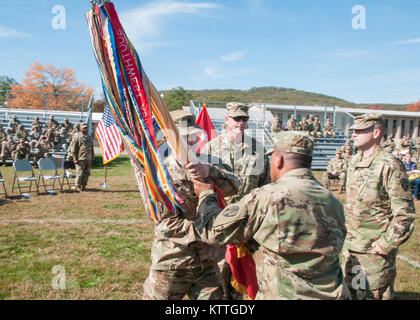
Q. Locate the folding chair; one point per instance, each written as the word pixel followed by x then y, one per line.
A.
pixel 2 181
pixel 66 175
pixel 47 164
pixel 23 165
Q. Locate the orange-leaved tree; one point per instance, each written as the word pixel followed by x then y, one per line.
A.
pixel 414 107
pixel 50 79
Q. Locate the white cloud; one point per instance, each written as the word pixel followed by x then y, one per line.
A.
pixel 235 56
pixel 213 72
pixel 145 23
pixel 409 41
pixel 6 32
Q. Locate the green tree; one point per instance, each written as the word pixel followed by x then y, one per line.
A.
pixel 176 98
pixel 5 84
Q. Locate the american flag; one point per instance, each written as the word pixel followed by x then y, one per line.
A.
pixel 109 138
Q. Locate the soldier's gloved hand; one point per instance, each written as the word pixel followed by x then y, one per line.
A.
pixel 200 186
pixel 198 170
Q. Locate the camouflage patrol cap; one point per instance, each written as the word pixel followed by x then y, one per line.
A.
pixel 185 121
pixel 66 119
pixel 237 109
pixel 36 118
pixel 293 142
pixel 51 116
pixel 21 140
pixel 14 117
pixel 83 125
pixel 367 120
pixel 338 151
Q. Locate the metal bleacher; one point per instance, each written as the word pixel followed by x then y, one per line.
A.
pixel 324 151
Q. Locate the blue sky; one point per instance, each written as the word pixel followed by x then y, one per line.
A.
pixel 239 44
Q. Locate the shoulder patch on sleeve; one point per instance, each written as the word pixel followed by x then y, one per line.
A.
pixel 405 184
pixel 231 211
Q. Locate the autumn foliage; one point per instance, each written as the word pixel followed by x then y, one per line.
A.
pixel 49 79
pixel 414 107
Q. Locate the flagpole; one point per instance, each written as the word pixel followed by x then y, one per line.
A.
pixel 105 185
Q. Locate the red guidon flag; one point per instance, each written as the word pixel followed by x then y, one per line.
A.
pixel 204 122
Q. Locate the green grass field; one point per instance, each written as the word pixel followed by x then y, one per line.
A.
pixel 102 240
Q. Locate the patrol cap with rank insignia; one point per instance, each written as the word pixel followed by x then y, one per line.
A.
pixel 367 120
pixel 237 109
pixel 185 121
pixel 293 142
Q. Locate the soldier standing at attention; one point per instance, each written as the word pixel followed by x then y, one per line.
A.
pixel 244 156
pixel 337 168
pixel 81 150
pixel 379 212
pixel 181 263
pixel 298 224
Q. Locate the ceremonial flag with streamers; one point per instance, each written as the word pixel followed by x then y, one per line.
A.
pixel 109 138
pixel 244 273
pixel 204 122
pixel 135 105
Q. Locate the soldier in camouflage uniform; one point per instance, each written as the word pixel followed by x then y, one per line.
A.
pixel 81 151
pixel 291 123
pixel 67 125
pixel 310 121
pixel 337 168
pixel 52 124
pixel 316 132
pixel 12 126
pixel 304 126
pixel 36 123
pixel 181 264
pixel 7 147
pixel 21 133
pixel 298 224
pixel 379 212
pixel 329 129
pixel 244 156
pixel 3 136
pixel 348 154
pixel 42 147
pixel 277 125
pixel 22 150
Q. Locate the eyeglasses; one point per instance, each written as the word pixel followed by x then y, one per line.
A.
pixel 239 119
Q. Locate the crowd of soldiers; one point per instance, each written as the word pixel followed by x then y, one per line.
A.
pixel 311 126
pixel 17 143
pixel 294 226
pixel 41 141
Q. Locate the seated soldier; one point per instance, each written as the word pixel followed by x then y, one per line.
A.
pixel 291 123
pixel 413 174
pixel 36 124
pixel 277 125
pixel 304 126
pixel 22 151
pixel 34 136
pixel 3 136
pixel 52 124
pixel 12 126
pixel 329 130
pixel 7 148
pixel 62 139
pixel 316 132
pixel 348 152
pixel 337 168
pixel 43 146
pixel 21 133
pixel 67 125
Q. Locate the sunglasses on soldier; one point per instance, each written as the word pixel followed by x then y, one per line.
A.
pixel 239 119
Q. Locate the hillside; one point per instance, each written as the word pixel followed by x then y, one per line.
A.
pixel 277 95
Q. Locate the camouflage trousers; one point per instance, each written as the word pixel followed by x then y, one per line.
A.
pixel 196 283
pixel 326 135
pixel 369 275
pixel 327 176
pixel 316 134
pixel 82 172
